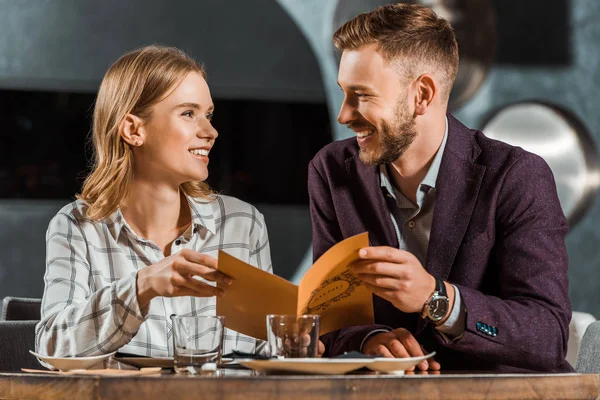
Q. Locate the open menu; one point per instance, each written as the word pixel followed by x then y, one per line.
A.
pixel 328 289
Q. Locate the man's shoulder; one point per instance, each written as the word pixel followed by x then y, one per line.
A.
pixel 499 155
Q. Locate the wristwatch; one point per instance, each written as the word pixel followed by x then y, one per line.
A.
pixel 437 304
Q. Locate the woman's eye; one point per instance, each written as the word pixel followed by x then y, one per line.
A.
pixel 209 116
pixel 188 114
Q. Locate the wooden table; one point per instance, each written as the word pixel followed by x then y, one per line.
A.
pixel 247 385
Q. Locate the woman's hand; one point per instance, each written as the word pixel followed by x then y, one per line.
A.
pixel 174 276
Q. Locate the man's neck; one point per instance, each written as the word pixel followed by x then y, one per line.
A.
pixel 408 171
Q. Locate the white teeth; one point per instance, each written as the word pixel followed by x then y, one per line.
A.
pixel 363 134
pixel 199 152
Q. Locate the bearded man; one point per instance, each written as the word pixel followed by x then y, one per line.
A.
pixel 467 252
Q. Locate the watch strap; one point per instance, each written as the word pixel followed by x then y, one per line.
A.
pixel 440 287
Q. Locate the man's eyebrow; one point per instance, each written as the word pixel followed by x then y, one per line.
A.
pixel 359 87
pixel 355 88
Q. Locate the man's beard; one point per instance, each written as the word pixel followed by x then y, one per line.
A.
pixel 394 139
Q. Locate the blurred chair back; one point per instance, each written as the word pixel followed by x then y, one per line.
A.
pixel 16 339
pixel 20 309
pixel 17 333
pixel 588 358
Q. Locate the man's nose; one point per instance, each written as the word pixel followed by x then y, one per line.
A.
pixel 346 113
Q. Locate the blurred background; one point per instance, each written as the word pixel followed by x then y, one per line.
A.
pixel 528 76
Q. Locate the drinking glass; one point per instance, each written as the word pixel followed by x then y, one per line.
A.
pixel 197 344
pixel 293 336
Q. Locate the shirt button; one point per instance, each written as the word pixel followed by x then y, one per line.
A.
pixel 411 224
pixel 178 242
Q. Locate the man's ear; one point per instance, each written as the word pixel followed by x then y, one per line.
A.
pixel 426 90
pixel 131 130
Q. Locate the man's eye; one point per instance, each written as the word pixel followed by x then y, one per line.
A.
pixel 188 114
pixel 361 95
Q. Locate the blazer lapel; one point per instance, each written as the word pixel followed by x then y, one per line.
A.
pixel 457 187
pixel 370 203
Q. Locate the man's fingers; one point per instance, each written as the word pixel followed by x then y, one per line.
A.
pixel 397 349
pixel 382 268
pixel 434 365
pixel 385 253
pixel 321 349
pixel 380 281
pixel 380 350
pixel 410 343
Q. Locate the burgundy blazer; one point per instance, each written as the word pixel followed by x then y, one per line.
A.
pixel 498 234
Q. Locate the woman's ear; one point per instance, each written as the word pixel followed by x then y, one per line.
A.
pixel 131 130
pixel 427 89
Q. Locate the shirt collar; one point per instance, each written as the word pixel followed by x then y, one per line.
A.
pixel 203 213
pixel 434 168
pixel 429 179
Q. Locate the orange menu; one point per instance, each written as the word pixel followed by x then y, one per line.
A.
pixel 328 288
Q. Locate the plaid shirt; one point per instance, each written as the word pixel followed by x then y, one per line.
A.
pixel 90 305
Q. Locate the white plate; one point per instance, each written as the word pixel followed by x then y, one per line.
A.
pixel 334 366
pixel 327 366
pixel 71 363
pixel 163 362
pixel 144 362
pixel 396 366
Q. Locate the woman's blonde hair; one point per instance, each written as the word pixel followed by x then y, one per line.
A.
pixel 132 85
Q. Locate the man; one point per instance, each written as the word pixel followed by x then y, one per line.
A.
pixel 467 253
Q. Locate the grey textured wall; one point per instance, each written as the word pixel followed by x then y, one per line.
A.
pixel 575 87
pixel 251 49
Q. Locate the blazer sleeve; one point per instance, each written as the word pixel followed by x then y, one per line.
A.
pixel 326 232
pixel 325 227
pixel 532 311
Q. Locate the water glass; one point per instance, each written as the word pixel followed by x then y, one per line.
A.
pixel 293 336
pixel 197 344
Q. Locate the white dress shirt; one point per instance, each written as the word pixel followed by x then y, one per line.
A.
pixel 90 305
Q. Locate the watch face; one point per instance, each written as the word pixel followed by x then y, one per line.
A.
pixel 438 307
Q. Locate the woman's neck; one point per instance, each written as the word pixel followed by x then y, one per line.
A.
pixel 157 212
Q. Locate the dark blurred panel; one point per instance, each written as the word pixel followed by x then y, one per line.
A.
pixel 261 155
pixel 533 32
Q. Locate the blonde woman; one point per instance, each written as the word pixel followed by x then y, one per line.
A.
pixel 123 257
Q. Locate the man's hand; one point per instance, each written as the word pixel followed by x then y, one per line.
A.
pixel 398 343
pixel 321 349
pixel 396 276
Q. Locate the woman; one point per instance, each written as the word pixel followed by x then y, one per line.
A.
pixel 126 255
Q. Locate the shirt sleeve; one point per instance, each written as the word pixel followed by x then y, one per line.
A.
pixel 454 326
pixel 78 319
pixel 260 250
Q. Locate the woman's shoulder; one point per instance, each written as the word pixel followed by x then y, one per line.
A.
pixel 73 212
